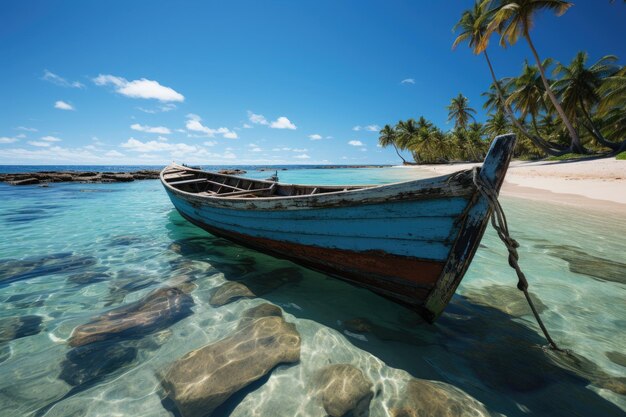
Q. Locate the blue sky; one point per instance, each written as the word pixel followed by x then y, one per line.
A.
pixel 248 82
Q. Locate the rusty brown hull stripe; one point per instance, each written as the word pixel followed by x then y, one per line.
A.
pixel 403 279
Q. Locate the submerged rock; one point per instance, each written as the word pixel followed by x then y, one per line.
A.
pixel 343 389
pixel 85 364
pixel 617 358
pixel 204 378
pixel 18 269
pixel 505 298
pixel 88 277
pixel 422 398
pixel 262 310
pixel 127 281
pixel 236 171
pixel 265 282
pixel 156 311
pixel 16 327
pixel 581 262
pixel 229 292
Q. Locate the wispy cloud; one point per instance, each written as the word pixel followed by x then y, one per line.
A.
pixel 302 156
pixel 62 105
pixel 194 123
pixel 151 129
pixel 142 88
pixel 355 143
pixel 51 139
pixel 408 81
pixel 357 128
pixel 282 123
pixel 26 129
pixel 372 128
pixel 257 119
pixel 5 139
pixel 114 154
pixel 246 126
pixel 58 80
pixel 39 144
pixel 159 109
pixel 315 137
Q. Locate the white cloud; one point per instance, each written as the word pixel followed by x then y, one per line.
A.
pixel 51 139
pixel 55 79
pixel 303 156
pixel 257 119
pixel 39 144
pixel 194 124
pixel 247 126
pixel 372 128
pixel 20 136
pixel 356 128
pixel 114 154
pixel 210 143
pixel 62 105
pixel 256 149
pixel 4 139
pixel 151 129
pixel 355 143
pixel 26 129
pixel 315 137
pixel 282 123
pixel 299 150
pixel 408 81
pixel 150 146
pixel 329 137
pixel 142 88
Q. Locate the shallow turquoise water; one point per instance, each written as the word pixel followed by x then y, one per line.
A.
pixel 93 247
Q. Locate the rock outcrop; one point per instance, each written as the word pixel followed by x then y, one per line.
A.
pixel 204 378
pixel 44 177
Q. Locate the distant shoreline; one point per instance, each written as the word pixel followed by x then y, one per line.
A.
pixel 92 176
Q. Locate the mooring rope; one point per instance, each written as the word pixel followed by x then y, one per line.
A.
pixel 498 221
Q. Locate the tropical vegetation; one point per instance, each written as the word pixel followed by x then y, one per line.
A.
pixel 556 109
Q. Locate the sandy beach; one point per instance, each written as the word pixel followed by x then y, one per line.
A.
pixel 596 184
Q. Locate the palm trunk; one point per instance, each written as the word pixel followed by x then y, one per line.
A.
pixel 575 146
pixel 538 142
pixel 596 133
pixel 398 152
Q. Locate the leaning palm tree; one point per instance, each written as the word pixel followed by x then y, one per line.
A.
pixel 578 88
pixel 406 135
pixel 514 18
pixel 473 29
pixel 388 137
pixel 460 111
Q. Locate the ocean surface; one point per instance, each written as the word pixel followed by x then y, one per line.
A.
pixel 70 253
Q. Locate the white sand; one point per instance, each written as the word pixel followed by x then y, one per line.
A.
pixel 598 184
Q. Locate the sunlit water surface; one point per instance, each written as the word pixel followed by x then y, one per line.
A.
pixel 99 246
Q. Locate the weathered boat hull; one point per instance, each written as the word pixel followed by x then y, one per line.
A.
pixel 411 242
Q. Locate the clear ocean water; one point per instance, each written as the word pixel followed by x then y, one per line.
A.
pixel 71 252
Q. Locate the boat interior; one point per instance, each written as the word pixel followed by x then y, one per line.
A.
pixel 212 184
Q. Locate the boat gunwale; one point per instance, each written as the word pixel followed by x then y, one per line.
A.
pixel 442 186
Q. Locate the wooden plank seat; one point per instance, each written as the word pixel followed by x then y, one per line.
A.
pixel 193 181
pixel 179 177
pixel 247 193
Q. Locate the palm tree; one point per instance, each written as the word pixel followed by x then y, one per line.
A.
pixel 406 135
pixel 527 93
pixel 473 28
pixel 496 124
pixel 460 111
pixel 514 18
pixel 388 137
pixel 578 87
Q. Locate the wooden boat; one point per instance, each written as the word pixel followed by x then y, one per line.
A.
pixel 411 241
